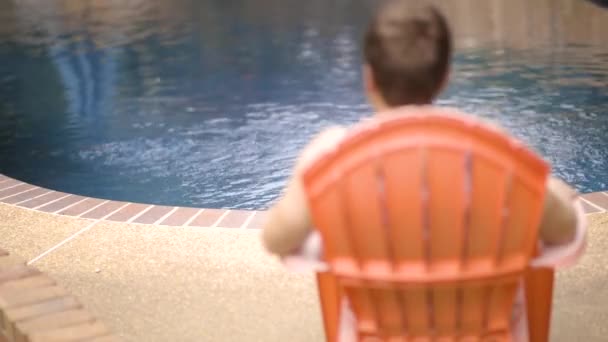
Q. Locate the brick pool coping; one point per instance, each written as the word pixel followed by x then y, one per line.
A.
pixel 28 196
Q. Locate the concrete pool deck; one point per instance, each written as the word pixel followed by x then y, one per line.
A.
pixel 152 282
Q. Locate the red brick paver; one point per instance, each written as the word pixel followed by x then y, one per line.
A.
pixel 81 207
pixel 128 212
pixel 9 299
pixel 234 219
pixel 590 209
pixel 52 321
pixel 258 220
pixel 153 215
pixel 16 272
pixel 61 204
pixel 15 190
pixel 207 217
pixel 26 283
pixel 103 210
pixel 72 333
pixel 598 198
pixel 34 308
pixel 180 216
pixel 42 200
pixel 9 183
pixel 25 195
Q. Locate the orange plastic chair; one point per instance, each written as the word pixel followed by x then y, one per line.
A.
pixel 429 225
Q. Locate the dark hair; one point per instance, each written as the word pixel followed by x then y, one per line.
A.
pixel 408 48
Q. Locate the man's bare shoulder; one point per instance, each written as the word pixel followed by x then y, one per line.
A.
pixel 321 143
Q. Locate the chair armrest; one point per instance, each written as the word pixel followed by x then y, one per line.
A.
pixel 308 258
pixel 566 255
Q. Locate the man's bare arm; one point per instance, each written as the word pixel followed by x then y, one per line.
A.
pixel 558 225
pixel 288 222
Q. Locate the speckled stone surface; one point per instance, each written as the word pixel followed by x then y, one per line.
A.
pixel 169 284
pixel 581 295
pixel 150 283
pixel 29 233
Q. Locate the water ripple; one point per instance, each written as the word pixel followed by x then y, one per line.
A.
pixel 207 104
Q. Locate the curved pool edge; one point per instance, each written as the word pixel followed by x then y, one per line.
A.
pixel 32 197
pixel 27 196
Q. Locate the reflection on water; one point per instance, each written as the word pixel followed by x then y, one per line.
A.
pixel 206 104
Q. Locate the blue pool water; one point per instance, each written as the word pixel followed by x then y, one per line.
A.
pixel 206 103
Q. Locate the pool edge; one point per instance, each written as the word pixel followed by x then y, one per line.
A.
pixel 27 196
pixel 31 197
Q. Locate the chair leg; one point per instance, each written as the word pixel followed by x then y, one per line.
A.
pixel 329 296
pixel 539 298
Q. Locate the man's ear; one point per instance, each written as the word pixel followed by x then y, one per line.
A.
pixel 368 80
pixel 372 92
pixel 444 83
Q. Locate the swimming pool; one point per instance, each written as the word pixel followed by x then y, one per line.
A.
pixel 207 103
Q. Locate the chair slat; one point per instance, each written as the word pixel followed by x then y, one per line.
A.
pixel 328 216
pixel 403 181
pixel 446 214
pixel 361 198
pixel 445 309
pixel 500 306
pixel 473 308
pixel 446 204
pixel 389 306
pixel 364 308
pixel 417 310
pixel 524 208
pixel 486 213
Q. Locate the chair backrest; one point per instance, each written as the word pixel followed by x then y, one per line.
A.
pixel 429 219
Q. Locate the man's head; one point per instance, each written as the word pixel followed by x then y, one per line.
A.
pixel 407 53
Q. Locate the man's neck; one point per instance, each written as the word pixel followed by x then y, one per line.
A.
pixel 381 110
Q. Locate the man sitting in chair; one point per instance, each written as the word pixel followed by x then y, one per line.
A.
pixel 407 53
